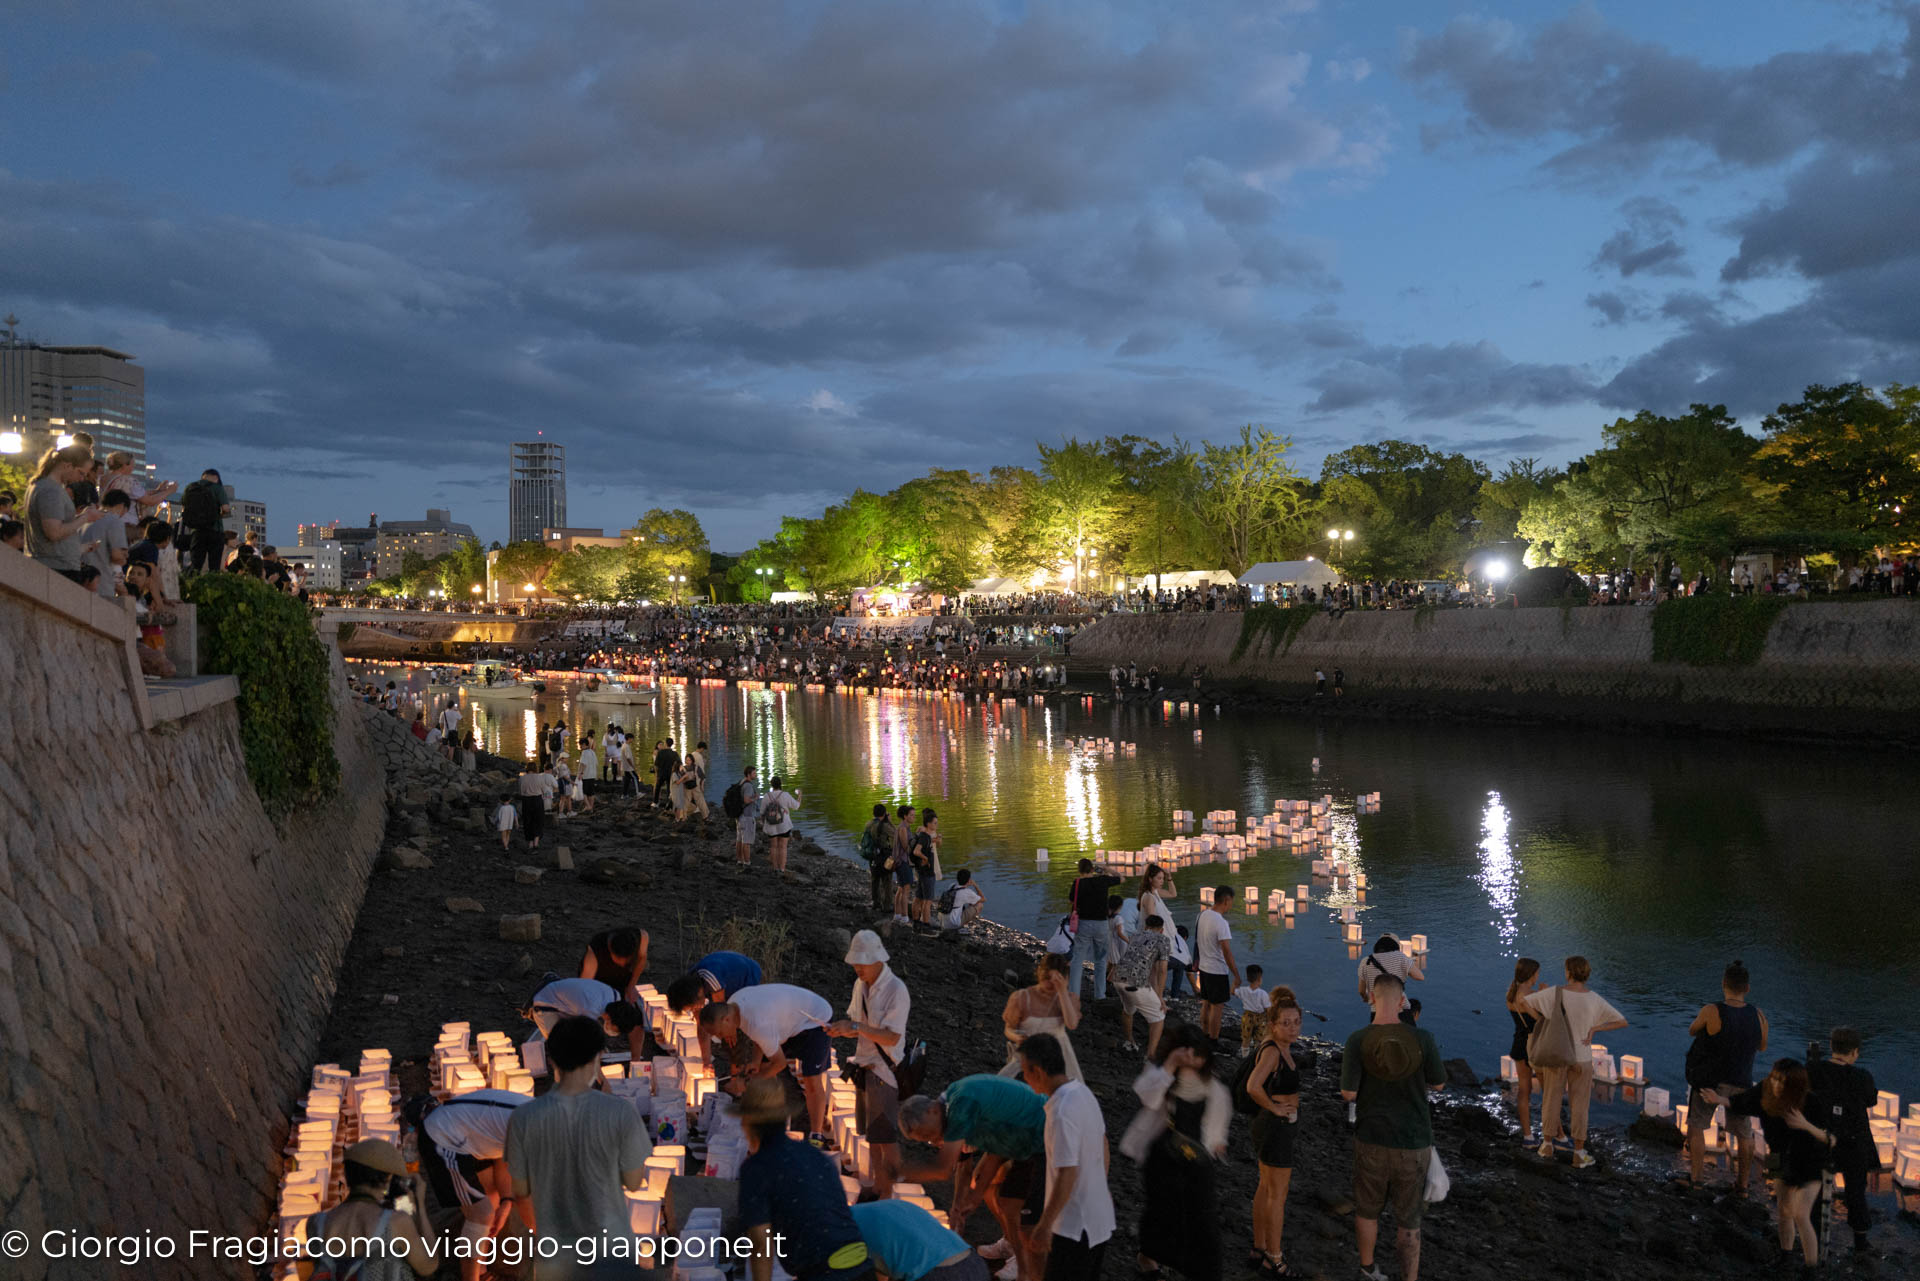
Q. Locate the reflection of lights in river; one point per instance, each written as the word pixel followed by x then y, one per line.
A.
pixel 530 732
pixel 1083 804
pixel 1498 875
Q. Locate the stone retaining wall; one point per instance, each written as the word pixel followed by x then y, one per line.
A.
pixel 167 955
pixel 1848 669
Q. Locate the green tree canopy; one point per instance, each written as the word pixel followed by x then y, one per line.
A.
pixel 1844 457
pixel 1411 507
pixel 1245 501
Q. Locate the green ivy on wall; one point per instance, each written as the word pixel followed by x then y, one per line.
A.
pixel 1714 631
pixel 1276 623
pixel 266 640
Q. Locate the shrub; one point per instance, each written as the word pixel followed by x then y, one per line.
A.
pixel 1278 624
pixel 1714 631
pixel 266 640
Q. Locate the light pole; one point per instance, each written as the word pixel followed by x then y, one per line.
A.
pixel 1334 538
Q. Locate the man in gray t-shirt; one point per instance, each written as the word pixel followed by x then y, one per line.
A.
pixel 105 540
pixel 574 1153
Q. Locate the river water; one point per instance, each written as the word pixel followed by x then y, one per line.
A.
pixel 1659 859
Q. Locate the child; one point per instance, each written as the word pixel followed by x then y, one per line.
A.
pixel 505 819
pixel 1181 962
pixel 1254 1004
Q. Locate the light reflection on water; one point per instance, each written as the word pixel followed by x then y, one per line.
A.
pixel 1659 860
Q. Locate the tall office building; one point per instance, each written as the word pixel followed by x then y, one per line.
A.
pixel 434 536
pixel 536 489
pixel 252 516
pixel 50 392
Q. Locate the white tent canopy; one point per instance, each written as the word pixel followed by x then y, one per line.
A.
pixel 1176 579
pixel 1290 573
pixel 998 587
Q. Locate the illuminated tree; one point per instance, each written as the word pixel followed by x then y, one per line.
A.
pixel 1247 502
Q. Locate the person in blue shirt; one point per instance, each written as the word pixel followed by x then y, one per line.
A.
pixel 907 1243
pixel 714 977
pixel 790 1194
pixel 991 1132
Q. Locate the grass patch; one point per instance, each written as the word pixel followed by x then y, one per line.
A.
pixel 1714 631
pixel 1278 625
pixel 768 942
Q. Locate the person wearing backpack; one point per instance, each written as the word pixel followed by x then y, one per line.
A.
pixel 370 1168
pixel 1851 1095
pixel 1727 1036
pixel 741 805
pixel 1561 1052
pixel 900 863
pixel 960 903
pixel 876 841
pixel 202 505
pixel 1386 1072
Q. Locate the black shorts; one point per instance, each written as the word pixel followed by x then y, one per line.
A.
pixel 923 888
pixel 1215 989
pixel 455 1177
pixel 1272 1140
pixel 810 1052
pixel 1025 1182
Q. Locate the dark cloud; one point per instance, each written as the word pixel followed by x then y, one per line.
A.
pixel 1613 307
pixel 1647 244
pixel 1431 381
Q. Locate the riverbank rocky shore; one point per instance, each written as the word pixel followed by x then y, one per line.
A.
pixel 448 932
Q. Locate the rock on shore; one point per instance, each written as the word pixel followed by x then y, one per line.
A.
pixel 1510 1215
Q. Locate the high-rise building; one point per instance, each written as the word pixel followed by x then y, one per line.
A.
pixel 50 392
pixel 434 536
pixel 318 565
pixel 251 519
pixel 357 544
pixel 536 489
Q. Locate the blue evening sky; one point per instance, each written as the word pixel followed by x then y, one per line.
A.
pixel 743 257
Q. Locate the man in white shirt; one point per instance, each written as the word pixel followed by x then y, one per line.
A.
pixel 1069 1242
pixel 589 772
pixel 450 720
pixel 786 1024
pixel 877 1016
pixel 1586 1013
pixel 1213 956
pixel 588 998
pixel 967 900
pixel 463 1148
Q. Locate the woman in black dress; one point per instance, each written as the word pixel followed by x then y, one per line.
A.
pixel 1526 978
pixel 1274 1086
pixel 1798 1149
pixel 1178 1218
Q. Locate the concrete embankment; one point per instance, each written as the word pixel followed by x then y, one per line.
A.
pixel 168 953
pixel 1840 670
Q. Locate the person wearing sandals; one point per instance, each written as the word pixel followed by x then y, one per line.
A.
pixel 1526 981
pixel 1186 1110
pixel 371 1167
pixel 1274 1087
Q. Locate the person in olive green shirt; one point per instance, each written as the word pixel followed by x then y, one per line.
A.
pixel 1386 1072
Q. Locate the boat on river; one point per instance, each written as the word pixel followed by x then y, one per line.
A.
pixel 491 678
pixel 604 685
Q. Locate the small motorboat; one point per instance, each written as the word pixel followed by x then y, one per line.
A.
pixel 493 679
pixel 604 685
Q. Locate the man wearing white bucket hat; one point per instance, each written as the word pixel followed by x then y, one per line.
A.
pixel 877 1017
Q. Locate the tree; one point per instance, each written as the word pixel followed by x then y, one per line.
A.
pixel 1504 498
pixel 1844 457
pixel 462 569
pixel 1412 507
pixel 518 564
pixel 1247 503
pixel 939 530
pixel 1572 524
pixel 1660 476
pixel 665 546
pixel 1151 531
pixel 1079 487
pixel 593 573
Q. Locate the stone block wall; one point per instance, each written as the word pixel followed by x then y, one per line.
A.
pixel 1850 669
pixel 167 953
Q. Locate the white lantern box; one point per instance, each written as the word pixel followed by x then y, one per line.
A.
pixel 1509 1070
pixel 1633 1069
pixel 1301 891
pixel 1253 893
pixel 1206 894
pixel 1353 932
pixel 1418 944
pixel 1657 1102
pixel 1040 856
pixel 533 1053
pixel 1887 1108
pixel 1603 1067
pixel 644 1213
pixel 1349 915
pixel 1286 906
pixel 1885 1138
pixel 1906 1162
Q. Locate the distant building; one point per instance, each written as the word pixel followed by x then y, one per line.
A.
pixel 47 393
pixel 565 540
pixel 536 489
pixel 356 542
pixel 319 565
pixel 434 536
pixel 250 518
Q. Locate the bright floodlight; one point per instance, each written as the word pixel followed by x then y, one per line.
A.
pixel 1334 535
pixel 1496 570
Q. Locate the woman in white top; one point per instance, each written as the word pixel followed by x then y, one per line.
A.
pixel 1048 1006
pixel 776 820
pixel 1156 887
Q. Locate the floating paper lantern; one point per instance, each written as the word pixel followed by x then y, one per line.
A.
pixel 1633 1069
pixel 1301 891
pixel 1887 1108
pixel 1906 1162
pixel 1419 943
pixel 1509 1070
pixel 1658 1102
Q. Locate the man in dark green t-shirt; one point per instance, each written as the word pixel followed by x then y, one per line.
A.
pixel 1387 1070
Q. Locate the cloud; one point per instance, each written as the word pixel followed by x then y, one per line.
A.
pixel 1647 244
pixel 1613 307
pixel 1430 381
pixel 1352 71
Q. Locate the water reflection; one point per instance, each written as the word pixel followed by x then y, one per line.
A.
pixel 1498 875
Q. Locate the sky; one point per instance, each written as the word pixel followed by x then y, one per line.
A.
pixel 741 258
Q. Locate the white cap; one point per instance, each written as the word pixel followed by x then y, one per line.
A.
pixel 867 949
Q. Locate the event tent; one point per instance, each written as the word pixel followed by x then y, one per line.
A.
pixel 1290 573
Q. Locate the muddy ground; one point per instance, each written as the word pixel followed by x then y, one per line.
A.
pixel 1510 1215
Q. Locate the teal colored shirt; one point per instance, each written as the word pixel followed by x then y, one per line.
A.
pixel 997 1115
pixel 905 1240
